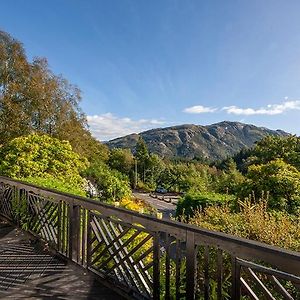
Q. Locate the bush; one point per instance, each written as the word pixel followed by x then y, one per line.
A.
pixel 37 155
pixel 141 186
pixel 191 203
pixel 53 183
pixel 111 184
pixel 253 221
pixel 137 205
pixel 41 156
pixel 279 179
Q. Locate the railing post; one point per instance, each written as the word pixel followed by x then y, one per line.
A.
pixel 1 197
pixel 236 281
pixel 156 268
pixel 88 240
pixel 190 265
pixel 59 227
pixel 74 223
pixel 17 206
pixel 84 238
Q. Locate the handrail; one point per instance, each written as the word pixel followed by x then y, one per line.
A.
pixel 77 222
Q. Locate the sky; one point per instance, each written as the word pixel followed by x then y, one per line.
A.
pixel 144 64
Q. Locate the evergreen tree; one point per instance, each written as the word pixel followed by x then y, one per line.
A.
pixel 121 160
pixel 142 157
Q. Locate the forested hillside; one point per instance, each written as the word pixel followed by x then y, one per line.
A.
pixel 212 142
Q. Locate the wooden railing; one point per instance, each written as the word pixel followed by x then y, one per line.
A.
pixel 144 257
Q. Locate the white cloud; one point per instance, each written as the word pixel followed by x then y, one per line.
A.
pixel 271 109
pixel 107 126
pixel 199 109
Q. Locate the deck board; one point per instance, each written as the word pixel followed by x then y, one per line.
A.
pixel 28 270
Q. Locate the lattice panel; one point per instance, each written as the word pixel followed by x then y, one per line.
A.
pixel 259 282
pixel 160 259
pixel 122 252
pixel 6 202
pixel 43 217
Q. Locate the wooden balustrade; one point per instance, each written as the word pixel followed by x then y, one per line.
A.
pixel 147 257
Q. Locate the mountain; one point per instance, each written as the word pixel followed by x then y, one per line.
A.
pixel 213 142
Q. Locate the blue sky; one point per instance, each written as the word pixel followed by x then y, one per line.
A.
pixel 142 64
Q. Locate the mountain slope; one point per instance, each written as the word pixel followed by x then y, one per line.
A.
pixel 216 141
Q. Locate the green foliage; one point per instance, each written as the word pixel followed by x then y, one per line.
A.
pixel 155 166
pixel 138 205
pixel 141 151
pixel 163 272
pixel 19 207
pixel 181 177
pixel 149 166
pixel 141 186
pixel 34 100
pixel 272 148
pixel 41 156
pixel 142 157
pixel 112 185
pixel 273 166
pixel 230 179
pixel 85 145
pixel 56 184
pixel 253 221
pixel 188 205
pixel 121 160
pixel 280 179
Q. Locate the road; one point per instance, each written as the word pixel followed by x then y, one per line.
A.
pixel 165 208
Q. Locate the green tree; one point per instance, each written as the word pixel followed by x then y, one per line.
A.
pixel 230 180
pixel 271 148
pixel 34 100
pixel 31 96
pixel 141 150
pixel 121 160
pixel 42 156
pixel 111 184
pixel 181 177
pixel 278 178
pixel 142 157
pixel 155 167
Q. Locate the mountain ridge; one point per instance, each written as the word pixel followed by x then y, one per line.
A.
pixel 214 142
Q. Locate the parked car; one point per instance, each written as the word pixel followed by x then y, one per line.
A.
pixel 161 190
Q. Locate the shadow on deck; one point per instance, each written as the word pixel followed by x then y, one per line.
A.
pixel 28 270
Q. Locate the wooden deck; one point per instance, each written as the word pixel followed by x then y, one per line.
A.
pixel 28 270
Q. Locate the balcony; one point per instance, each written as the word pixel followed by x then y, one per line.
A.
pixel 71 247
